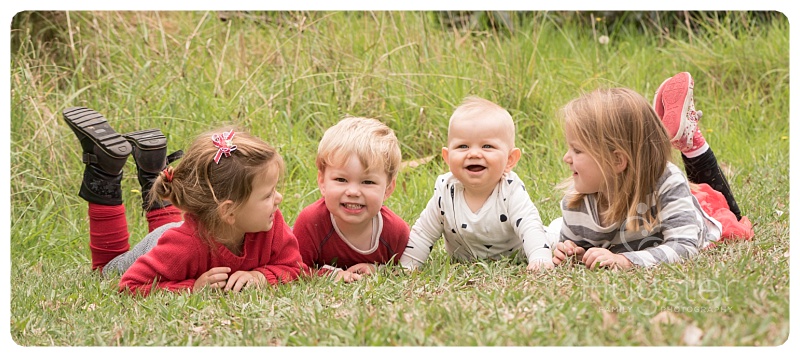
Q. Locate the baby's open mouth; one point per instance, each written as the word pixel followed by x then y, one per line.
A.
pixel 352 206
pixel 476 168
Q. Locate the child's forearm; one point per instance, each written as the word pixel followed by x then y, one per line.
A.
pixel 541 254
pixel 680 224
pixel 424 234
pixel 280 273
pixel 528 226
pixel 536 245
pixel 671 251
pixel 408 262
pixel 146 289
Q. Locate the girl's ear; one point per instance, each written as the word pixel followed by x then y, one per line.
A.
pixel 513 158
pixel 226 212
pixel 620 162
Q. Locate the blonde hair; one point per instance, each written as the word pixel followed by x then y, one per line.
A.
pixel 478 108
pixel 199 185
pixel 621 120
pixel 372 142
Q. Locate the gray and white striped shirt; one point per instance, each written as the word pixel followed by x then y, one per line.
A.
pixel 682 230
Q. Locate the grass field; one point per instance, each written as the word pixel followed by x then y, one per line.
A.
pixel 288 76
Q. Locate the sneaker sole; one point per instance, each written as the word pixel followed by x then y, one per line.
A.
pixel 148 139
pixel 658 105
pixel 86 122
pixel 676 97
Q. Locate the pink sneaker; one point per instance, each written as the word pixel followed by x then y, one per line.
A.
pixel 657 104
pixel 674 104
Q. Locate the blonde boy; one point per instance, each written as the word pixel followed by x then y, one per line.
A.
pixel 348 232
pixel 481 206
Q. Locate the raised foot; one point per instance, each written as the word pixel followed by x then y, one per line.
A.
pixel 89 124
pixel 148 139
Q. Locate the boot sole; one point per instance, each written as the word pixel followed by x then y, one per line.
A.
pixel 86 122
pixel 148 139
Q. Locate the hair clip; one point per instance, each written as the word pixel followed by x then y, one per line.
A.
pixel 224 144
pixel 168 173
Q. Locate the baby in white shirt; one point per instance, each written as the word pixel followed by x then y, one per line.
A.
pixel 481 206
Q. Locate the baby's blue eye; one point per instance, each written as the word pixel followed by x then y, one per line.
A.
pixel 487 146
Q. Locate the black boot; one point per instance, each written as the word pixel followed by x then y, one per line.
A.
pixel 104 153
pixel 150 155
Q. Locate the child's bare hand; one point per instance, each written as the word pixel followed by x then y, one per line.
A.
pixel 363 268
pixel 242 279
pixel 214 278
pixel 603 258
pixel 566 249
pixel 540 265
pixel 347 276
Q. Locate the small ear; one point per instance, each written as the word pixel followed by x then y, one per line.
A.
pixel 513 158
pixel 445 155
pixel 621 161
pixel 390 188
pixel 320 181
pixel 226 212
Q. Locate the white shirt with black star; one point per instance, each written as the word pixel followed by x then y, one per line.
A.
pixel 507 222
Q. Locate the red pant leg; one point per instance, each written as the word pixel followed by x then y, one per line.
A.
pixel 108 233
pixel 161 216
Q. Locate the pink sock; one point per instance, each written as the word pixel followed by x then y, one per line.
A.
pixel 161 216
pixel 108 233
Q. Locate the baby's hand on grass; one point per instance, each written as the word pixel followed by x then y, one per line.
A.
pixel 540 265
pixel 566 249
pixel 214 278
pixel 603 258
pixel 363 268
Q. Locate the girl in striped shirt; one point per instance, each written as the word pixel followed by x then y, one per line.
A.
pixel 626 204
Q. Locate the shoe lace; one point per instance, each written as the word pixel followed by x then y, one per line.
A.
pixel 695 115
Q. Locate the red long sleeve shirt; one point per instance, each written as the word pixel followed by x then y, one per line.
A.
pixel 180 257
pixel 320 244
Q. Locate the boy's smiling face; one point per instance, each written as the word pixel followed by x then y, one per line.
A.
pixel 354 196
pixel 479 151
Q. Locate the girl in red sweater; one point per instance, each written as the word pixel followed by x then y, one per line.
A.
pixel 214 218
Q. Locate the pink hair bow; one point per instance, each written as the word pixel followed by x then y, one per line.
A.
pixel 224 144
